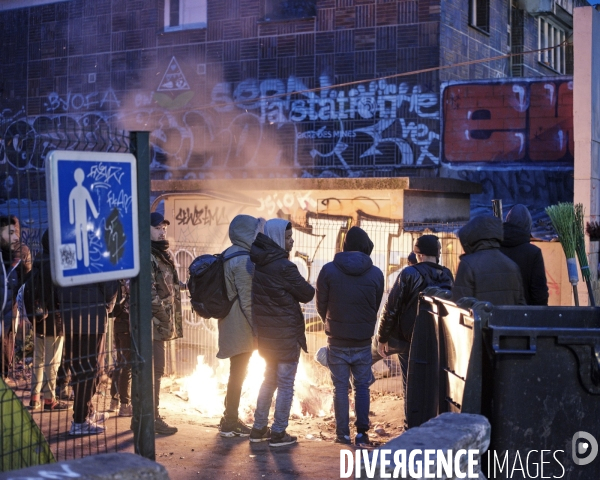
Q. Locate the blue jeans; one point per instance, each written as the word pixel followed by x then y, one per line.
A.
pixel 343 361
pixel 395 347
pixel 280 377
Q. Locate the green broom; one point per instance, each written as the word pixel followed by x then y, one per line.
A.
pixel 580 249
pixel 563 221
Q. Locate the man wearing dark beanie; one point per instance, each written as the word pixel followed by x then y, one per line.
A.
pixel 349 292
pixel 400 311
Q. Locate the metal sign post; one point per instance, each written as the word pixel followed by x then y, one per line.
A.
pixel 93 216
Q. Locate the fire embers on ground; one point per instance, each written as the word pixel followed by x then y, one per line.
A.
pixel 199 400
pixel 205 389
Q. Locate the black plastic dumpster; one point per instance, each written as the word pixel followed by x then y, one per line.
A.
pixel 533 371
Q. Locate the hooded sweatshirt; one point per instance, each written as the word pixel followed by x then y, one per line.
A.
pixel 349 292
pixel 277 291
pixel 236 330
pixel 484 271
pixel 516 246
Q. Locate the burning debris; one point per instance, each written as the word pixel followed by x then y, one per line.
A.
pixel 205 389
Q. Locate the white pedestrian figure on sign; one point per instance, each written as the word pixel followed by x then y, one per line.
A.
pixel 79 199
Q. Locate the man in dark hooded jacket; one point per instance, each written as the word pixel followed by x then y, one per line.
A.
pixel 400 311
pixel 484 272
pixel 516 246
pixel 349 292
pixel 277 291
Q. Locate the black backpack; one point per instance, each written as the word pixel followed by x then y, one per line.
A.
pixel 206 285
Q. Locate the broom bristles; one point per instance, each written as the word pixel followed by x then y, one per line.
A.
pixel 562 217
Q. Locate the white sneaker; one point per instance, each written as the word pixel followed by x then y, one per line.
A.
pixel 126 410
pixel 98 417
pixel 85 428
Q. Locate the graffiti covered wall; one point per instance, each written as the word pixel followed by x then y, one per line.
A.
pixel 513 137
pixel 517 121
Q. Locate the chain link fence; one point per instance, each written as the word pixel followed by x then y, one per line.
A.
pixel 390 254
pixel 43 363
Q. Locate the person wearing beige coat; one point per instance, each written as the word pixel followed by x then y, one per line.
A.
pixel 237 334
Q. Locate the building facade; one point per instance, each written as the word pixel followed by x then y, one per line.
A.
pixel 283 88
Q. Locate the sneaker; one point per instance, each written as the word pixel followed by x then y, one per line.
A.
pixel 235 429
pixel 162 428
pixel 260 435
pixel 114 405
pixel 85 428
pixel 279 439
pixel 126 410
pixel 66 394
pixel 55 405
pixel 34 404
pixel 98 417
pixel 343 439
pixel 362 440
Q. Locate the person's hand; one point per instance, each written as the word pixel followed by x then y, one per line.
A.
pixel 382 349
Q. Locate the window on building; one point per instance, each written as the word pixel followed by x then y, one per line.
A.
pixel 551 35
pixel 289 9
pixel 480 15
pixel 184 14
pixel 517 40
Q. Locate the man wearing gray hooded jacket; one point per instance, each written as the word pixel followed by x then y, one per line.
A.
pixel 236 330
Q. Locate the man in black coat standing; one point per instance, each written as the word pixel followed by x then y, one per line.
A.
pixel 277 291
pixel 400 311
pixel 516 246
pixel 349 292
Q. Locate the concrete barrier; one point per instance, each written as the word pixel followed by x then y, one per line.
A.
pixel 108 466
pixel 449 431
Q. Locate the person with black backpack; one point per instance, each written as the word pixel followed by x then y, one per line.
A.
pixel 41 304
pixel 237 334
pixel 399 314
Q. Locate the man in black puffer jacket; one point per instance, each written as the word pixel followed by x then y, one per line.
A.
pixel 277 291
pixel 484 272
pixel 349 292
pixel 400 311
pixel 516 246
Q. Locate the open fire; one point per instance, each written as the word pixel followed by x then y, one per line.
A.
pixel 205 389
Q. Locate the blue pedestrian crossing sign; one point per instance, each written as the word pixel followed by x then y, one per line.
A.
pixel 92 216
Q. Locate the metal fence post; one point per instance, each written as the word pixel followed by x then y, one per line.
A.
pixel 141 310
